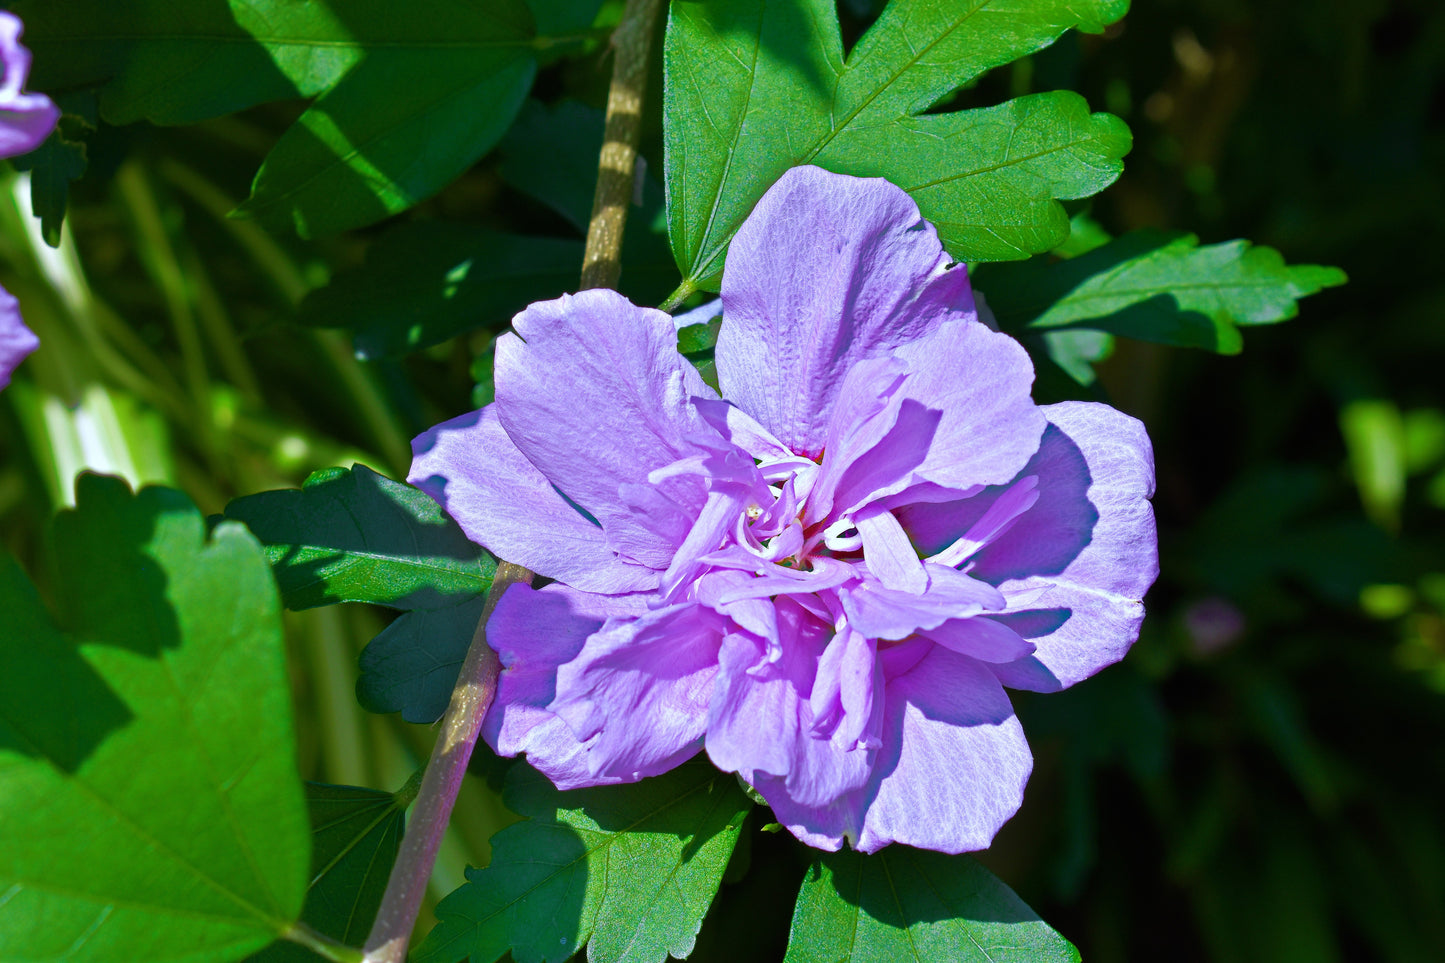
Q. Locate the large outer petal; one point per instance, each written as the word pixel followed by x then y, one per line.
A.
pixel 1084 555
pixel 25 119
pixel 951 771
pixel 472 469
pixel 638 691
pixel 16 340
pixel 827 270
pixel 534 632
pixel 955 759
pixel 592 390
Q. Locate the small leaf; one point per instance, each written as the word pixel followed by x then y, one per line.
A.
pixel 632 869
pixel 412 665
pixel 753 88
pixel 1155 286
pixel 351 535
pixel 149 805
pixel 355 834
pixel 904 904
pixel 57 162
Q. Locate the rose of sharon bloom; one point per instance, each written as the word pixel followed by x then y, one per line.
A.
pixel 25 120
pixel 824 578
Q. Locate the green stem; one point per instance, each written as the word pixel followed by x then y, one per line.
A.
pixel 321 944
pixel 684 291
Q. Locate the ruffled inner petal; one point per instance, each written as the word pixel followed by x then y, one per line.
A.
pixel 863 273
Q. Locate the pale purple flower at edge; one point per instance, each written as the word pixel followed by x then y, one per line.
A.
pixel 26 119
pixel 823 579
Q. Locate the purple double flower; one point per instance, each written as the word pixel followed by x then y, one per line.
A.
pixel 824 578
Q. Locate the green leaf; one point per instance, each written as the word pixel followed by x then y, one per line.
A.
pixel 351 535
pixel 628 870
pixel 405 103
pixel 149 804
pixel 428 281
pixel 912 904
pixel 1374 433
pixel 550 154
pixel 564 16
pixel 181 63
pixel 1155 286
pixel 412 665
pixel 355 834
pixel 400 126
pixel 753 88
pixel 58 161
pixel 425 282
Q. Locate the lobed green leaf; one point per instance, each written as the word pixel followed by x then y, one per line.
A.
pixel 351 535
pixel 755 87
pixel 1155 286
pixel 149 804
pixel 628 870
pixel 904 904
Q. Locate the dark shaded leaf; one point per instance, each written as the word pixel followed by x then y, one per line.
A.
pixel 425 282
pixel 355 834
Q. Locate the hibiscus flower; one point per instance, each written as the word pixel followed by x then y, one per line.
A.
pixel 825 577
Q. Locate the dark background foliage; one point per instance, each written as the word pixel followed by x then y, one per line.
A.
pixel 1260 780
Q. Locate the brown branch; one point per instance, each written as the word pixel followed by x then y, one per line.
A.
pixel 475 689
pixel 617 165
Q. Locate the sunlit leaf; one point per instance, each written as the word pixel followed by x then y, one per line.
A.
pixel 149 804
pixel 628 870
pixel 755 87
pixel 1157 287
pixel 1374 432
pixel 904 904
